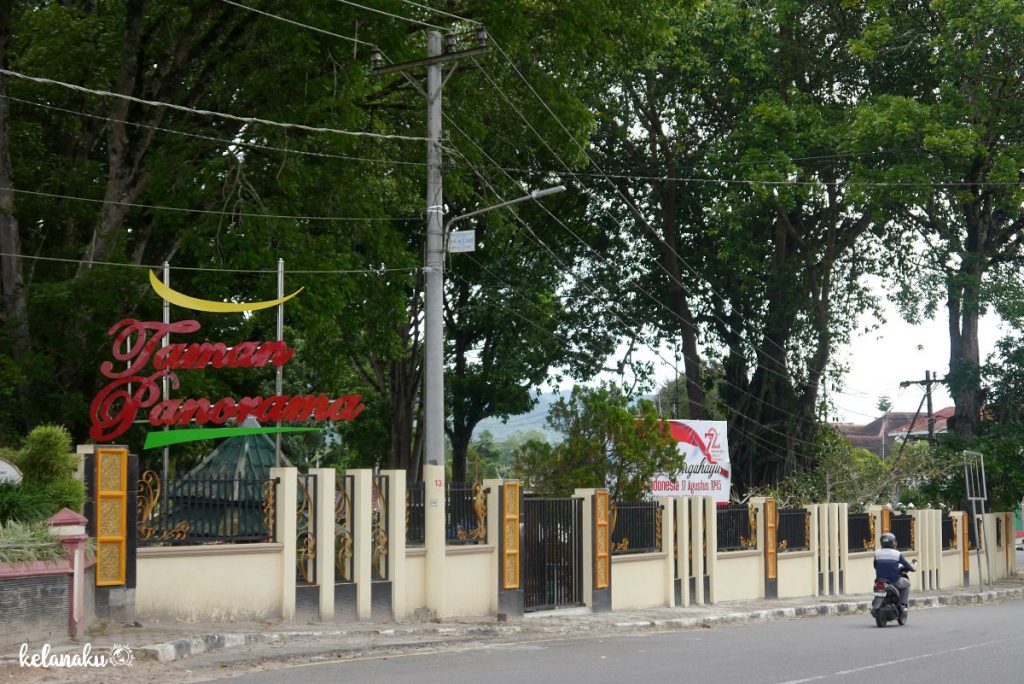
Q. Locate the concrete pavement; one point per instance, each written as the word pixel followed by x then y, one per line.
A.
pixel 169 642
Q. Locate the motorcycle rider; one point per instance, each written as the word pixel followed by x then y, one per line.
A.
pixel 889 563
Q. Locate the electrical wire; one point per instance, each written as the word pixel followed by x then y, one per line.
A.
pixel 209 113
pixel 297 23
pixel 214 212
pixel 322 271
pixel 441 12
pixel 389 14
pixel 210 138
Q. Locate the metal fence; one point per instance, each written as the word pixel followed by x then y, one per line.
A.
pixel 636 527
pixel 903 527
pixel 860 528
pixel 794 529
pixel 465 513
pixel 736 527
pixel 948 532
pixel 415 514
pixel 344 518
pixel 205 511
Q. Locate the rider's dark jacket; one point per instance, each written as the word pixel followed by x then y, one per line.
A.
pixel 888 563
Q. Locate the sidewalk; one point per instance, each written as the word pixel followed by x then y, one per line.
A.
pixel 169 642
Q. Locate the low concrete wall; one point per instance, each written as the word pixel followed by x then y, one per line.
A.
pixel 860 572
pixel 35 601
pixel 415 579
pixel 210 582
pixel 638 580
pixel 951 569
pixel 470 586
pixel 738 576
pixel 798 574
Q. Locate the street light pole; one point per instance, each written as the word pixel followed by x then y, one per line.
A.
pixel 534 195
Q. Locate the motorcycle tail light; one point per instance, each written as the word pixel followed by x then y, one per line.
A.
pixel 879 586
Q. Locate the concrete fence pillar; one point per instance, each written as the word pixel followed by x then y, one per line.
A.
pixel 820 547
pixel 683 540
pixel 325 542
pixel 70 527
pixel 284 533
pixel 397 570
pixel 833 548
pixel 699 549
pixel 668 538
pixel 843 525
pixel 434 538
pixel 362 541
pixel 711 537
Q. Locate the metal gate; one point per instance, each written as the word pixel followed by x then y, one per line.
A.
pixel 552 553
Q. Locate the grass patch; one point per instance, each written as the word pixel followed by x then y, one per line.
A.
pixel 26 542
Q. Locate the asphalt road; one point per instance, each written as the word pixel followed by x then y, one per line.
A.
pixel 975 644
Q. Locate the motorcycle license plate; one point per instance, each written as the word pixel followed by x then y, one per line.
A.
pixel 880 594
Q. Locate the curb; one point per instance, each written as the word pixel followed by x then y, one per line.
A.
pixel 180 649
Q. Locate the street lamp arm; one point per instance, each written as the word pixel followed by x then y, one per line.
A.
pixel 534 195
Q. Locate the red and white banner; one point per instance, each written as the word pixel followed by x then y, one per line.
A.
pixel 705 445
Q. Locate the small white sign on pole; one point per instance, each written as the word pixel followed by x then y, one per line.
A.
pixel 462 241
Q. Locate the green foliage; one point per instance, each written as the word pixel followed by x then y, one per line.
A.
pixel 842 473
pixel 609 442
pixel 46 455
pixel 23 542
pixel 25 502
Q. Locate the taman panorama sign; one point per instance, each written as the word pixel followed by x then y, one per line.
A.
pixel 143 361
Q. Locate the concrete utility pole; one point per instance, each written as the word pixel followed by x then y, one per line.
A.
pixel 433 353
pixel 433 339
pixel 928 381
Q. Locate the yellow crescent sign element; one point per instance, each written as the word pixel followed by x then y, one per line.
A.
pixel 183 300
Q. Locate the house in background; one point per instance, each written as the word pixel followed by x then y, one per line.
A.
pixel 918 429
pixel 880 435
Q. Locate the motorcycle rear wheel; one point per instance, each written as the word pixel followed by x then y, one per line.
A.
pixel 880 618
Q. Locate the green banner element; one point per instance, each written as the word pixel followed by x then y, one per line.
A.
pixel 155 440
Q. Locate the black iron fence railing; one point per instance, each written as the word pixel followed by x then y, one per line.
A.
pixel 903 527
pixel 205 511
pixel 860 528
pixel 636 527
pixel 737 528
pixel 948 533
pixel 415 514
pixel 465 513
pixel 794 533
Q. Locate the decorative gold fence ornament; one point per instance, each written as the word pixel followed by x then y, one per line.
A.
pixel 111 516
pixel 305 532
pixel 657 527
pixel 269 497
pixel 602 538
pixel 342 530
pixel 510 536
pixel 869 543
pixel 751 541
pixel 380 531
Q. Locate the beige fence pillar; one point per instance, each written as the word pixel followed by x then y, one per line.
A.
pixel 699 549
pixel 396 543
pixel 434 538
pixel 668 539
pixel 494 513
pixel 284 509
pixel 711 537
pixel 833 548
pixel 842 517
pixel 820 547
pixel 588 544
pixel 684 546
pixel 325 541
pixel 876 523
pixel 362 540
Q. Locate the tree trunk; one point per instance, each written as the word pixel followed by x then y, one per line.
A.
pixel 12 283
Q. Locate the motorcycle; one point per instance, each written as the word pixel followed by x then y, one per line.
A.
pixel 886 605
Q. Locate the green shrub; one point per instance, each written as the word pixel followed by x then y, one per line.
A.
pixel 24 502
pixel 47 455
pixel 65 493
pixel 23 542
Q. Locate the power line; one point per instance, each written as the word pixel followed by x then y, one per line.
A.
pixel 441 12
pixel 322 271
pixel 206 112
pixel 210 138
pixel 389 14
pixel 297 23
pixel 214 212
pixel 752 436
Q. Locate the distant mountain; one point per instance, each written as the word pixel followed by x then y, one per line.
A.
pixel 535 420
